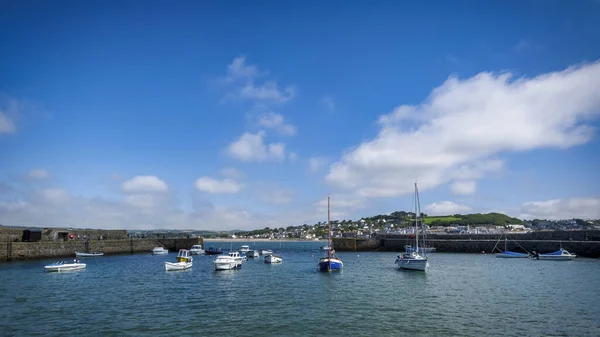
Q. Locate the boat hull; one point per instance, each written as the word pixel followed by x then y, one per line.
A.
pixel 413 264
pixel 227 265
pixel 273 259
pixel 64 267
pixel 81 254
pixel 511 255
pixel 330 264
pixel 170 266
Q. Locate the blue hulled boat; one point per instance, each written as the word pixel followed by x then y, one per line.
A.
pixel 330 262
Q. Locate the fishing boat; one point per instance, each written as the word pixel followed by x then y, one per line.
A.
pixel 265 252
pixel 330 262
pixel 273 259
pixel 413 260
pixel 559 255
pixel 159 251
pixel 213 251
pixel 64 266
pixel 252 254
pixel 244 249
pixel 93 254
pixel 507 254
pixel 197 250
pixel 184 261
pixel 232 260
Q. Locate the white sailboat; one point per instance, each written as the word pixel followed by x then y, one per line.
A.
pixel 412 260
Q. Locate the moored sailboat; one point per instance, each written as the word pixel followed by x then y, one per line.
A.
pixel 331 262
pixel 412 259
pixel 507 254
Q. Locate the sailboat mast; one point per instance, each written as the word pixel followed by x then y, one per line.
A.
pixel 416 221
pixel 328 228
pixel 422 222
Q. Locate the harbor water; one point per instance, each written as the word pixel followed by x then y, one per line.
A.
pixel 460 295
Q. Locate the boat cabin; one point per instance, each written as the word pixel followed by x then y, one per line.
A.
pixel 183 255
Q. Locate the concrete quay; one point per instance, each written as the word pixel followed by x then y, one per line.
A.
pixel 582 243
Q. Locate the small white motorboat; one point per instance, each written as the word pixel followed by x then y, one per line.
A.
pixel 273 259
pixel 160 251
pixel 65 266
pixel 233 260
pixel 244 249
pixel 253 253
pixel 559 255
pixel 93 254
pixel 197 250
pixel 325 248
pixel 265 252
pixel 184 261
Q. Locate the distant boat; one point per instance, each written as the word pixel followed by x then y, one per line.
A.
pixel 507 254
pixel 253 253
pixel 330 262
pixel 213 251
pixel 265 252
pixel 197 250
pixel 93 254
pixel 244 249
pixel 325 248
pixel 559 255
pixel 412 260
pixel 159 251
pixel 64 266
pixel 273 259
pixel 184 261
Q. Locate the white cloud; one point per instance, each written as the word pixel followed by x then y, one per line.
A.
pixel 54 196
pixel 559 209
pixel 276 121
pixel 38 174
pixel 224 186
pixel 272 194
pixel 243 78
pixel 56 208
pixel 268 91
pixel 465 122
pixel 239 69
pixel 464 187
pixel 10 109
pixel 293 156
pixel 232 173
pixel 316 163
pixel 6 124
pixel 251 147
pixel 328 102
pixel 343 206
pixel 445 208
pixel 144 184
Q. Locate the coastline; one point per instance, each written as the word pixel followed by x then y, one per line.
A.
pixel 260 240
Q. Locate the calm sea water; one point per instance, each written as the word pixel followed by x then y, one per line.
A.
pixel 460 295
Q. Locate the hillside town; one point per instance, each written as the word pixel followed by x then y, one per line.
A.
pixel 398 223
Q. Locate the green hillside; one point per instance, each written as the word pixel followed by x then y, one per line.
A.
pixel 497 219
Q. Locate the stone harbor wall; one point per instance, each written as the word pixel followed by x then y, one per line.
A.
pixel 582 243
pixel 49 249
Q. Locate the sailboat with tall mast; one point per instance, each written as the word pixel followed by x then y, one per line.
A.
pixel 412 260
pixel 331 262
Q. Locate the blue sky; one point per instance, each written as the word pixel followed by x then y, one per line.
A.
pixel 127 114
